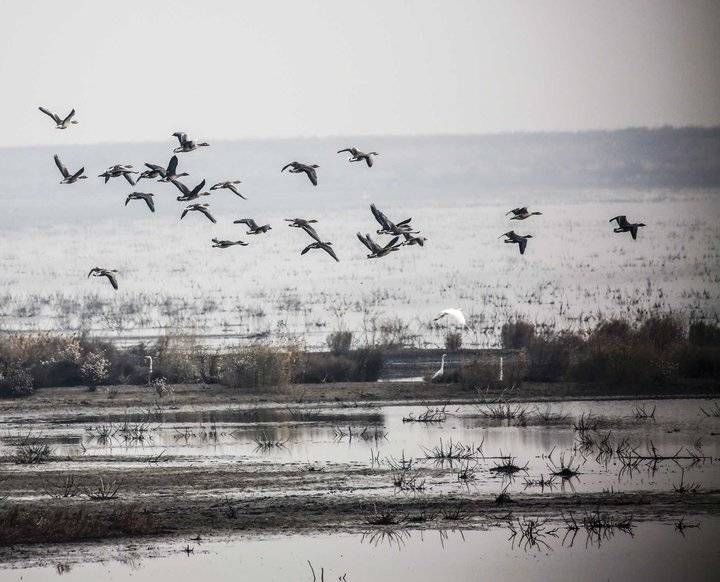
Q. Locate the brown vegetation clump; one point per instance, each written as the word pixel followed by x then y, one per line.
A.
pixel 258 367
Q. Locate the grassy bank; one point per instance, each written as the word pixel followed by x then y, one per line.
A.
pixel 647 357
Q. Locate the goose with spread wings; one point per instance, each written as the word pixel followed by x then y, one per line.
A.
pixel 124 170
pixel 202 208
pixel 389 227
pixel 229 185
pixel 146 196
pixel 165 174
pixel 412 240
pixel 187 193
pixel 623 225
pixel 187 145
pixel 298 168
pixel 513 238
pixel 376 251
pixel 253 226
pixel 306 225
pixel 223 244
pixel 325 246
pixel 60 123
pixel 521 213
pixel 109 273
pixel 357 156
pixel 69 178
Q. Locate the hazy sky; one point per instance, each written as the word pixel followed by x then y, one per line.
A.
pixel 139 70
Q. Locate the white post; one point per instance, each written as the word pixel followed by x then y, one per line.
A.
pixel 501 369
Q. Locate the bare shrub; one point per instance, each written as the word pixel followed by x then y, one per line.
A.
pixel 517 334
pixel 339 342
pixel 258 366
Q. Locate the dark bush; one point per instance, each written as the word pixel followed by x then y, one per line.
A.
pixel 704 334
pixel 15 380
pixel 698 361
pixel 453 341
pixel 339 342
pixel 362 365
pixel 662 331
pixel 517 334
pixel 549 357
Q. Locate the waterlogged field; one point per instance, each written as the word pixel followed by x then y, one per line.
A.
pixel 574 272
pixel 592 489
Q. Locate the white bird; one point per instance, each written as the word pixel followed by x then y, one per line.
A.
pixel 441 372
pixel 454 314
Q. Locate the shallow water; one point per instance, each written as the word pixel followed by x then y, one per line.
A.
pixel 355 439
pixel 655 551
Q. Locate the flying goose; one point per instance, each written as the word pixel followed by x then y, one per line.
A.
pixel 229 185
pixel 411 239
pixel 69 178
pixel 165 174
pixel 118 170
pixel 109 273
pixel 520 240
pixel 198 208
pixel 253 226
pixel 521 213
pixel 358 156
pixel 59 123
pixel 146 196
pixel 297 168
pixel 223 244
pixel 187 145
pixel 188 194
pixel 375 249
pixel 305 224
pixel 325 246
pixel 624 226
pixel 389 227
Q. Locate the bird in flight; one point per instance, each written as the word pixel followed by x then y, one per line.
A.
pixel 306 225
pixel 453 313
pixel 187 145
pixel 411 240
pixel 60 123
pixel 520 240
pixel 69 178
pixel 357 156
pixel 325 246
pixel 389 227
pixel 188 194
pixel 376 251
pixel 202 208
pixel 521 213
pixel 109 273
pixel 298 168
pixel 228 185
pixel 253 226
pixel 166 174
pixel 146 196
pixel 624 226
pixel 124 170
pixel 223 244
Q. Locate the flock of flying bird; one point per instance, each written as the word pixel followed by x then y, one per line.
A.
pixel 400 230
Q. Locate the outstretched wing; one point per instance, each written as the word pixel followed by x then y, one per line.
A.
pixel 156 168
pixel 311 231
pixel 180 186
pixel 206 212
pixel 307 248
pixel 634 231
pixel 77 174
pixel 235 191
pixel 199 187
pixel 52 115
pixel 172 166
pixel 366 241
pixel 61 167
pixel 380 217
pixel 290 165
pixel 69 117
pixel 392 243
pixel 112 279
pixel 329 250
pixel 368 161
pixel 522 243
pixel 150 203
pixel 128 177
pixel 182 137
pixel 621 220
pixel 312 174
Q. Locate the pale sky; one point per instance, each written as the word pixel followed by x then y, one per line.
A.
pixel 224 69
